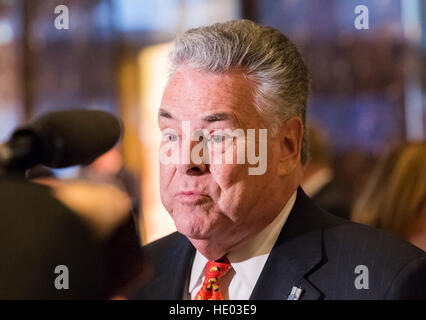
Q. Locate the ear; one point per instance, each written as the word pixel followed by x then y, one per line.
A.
pixel 290 135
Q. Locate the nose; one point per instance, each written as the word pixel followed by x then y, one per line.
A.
pixel 194 163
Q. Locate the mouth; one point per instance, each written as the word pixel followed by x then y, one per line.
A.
pixel 191 196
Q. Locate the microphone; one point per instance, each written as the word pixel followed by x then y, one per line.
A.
pixel 61 139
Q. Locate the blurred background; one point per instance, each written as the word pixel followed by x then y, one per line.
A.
pixel 368 86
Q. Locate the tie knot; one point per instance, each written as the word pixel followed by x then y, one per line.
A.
pixel 217 269
pixel 214 271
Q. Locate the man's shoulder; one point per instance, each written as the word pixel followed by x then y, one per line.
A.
pixel 343 237
pixel 165 244
pixel 394 268
pixel 367 240
pixel 160 252
pixel 167 263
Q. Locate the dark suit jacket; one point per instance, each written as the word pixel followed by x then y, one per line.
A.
pixel 316 251
pixel 333 198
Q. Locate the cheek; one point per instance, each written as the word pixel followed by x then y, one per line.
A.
pixel 166 176
pixel 239 190
pixel 230 179
pixel 225 176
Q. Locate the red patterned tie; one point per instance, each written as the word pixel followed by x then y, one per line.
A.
pixel 211 287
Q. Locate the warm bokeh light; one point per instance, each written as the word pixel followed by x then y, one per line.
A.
pixel 156 221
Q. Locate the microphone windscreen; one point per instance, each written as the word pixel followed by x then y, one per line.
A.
pixel 76 137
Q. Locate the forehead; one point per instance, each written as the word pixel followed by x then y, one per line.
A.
pixel 191 93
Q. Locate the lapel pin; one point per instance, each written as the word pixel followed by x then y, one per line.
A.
pixel 295 293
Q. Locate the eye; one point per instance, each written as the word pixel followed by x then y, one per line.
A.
pixel 220 138
pixel 170 137
pixel 217 138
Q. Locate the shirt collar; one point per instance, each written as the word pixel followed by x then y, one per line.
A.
pixel 198 270
pixel 249 257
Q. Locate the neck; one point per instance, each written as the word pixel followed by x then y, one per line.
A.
pixel 210 249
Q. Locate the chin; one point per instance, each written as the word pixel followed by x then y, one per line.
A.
pixel 192 224
pixel 193 232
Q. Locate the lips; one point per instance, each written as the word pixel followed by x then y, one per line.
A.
pixel 190 196
pixel 187 193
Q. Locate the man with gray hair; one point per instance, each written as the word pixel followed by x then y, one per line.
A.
pixel 255 236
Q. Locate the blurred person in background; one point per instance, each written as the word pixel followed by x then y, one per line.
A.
pixel 123 245
pixel 38 233
pixel 109 169
pixel 107 210
pixel 394 198
pixel 319 182
pixel 99 196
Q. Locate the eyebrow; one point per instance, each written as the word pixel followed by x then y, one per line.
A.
pixel 218 117
pixel 164 114
pixel 221 116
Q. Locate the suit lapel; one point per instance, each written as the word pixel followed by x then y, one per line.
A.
pixel 171 280
pixel 295 255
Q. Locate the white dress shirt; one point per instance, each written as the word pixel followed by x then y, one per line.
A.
pixel 247 259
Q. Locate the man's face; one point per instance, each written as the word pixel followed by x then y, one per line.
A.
pixel 211 201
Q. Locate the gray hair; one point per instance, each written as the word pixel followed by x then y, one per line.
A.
pixel 266 56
